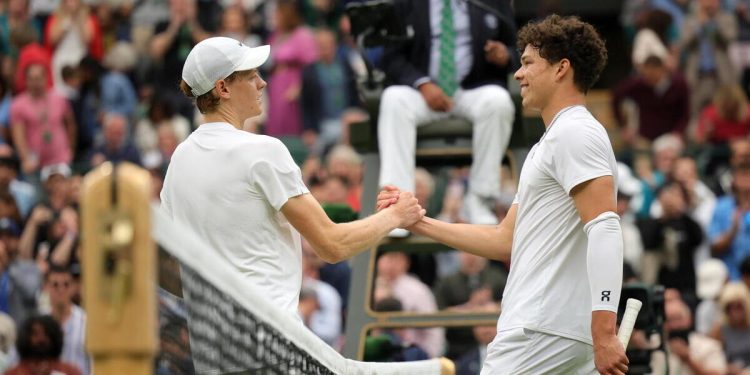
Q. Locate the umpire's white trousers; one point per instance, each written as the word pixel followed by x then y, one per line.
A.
pixel 402 109
pixel 522 351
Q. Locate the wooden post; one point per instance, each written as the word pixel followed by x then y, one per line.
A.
pixel 447 367
pixel 119 266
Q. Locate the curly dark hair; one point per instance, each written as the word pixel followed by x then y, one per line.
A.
pixel 559 38
pixel 51 349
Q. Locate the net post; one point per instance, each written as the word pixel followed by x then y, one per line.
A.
pixel 119 266
pixel 447 367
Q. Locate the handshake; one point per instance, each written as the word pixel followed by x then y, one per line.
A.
pixel 403 205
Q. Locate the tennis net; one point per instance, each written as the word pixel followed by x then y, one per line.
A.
pixel 225 326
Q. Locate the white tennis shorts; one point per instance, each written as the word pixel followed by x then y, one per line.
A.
pixel 523 351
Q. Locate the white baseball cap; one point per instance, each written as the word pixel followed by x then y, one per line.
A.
pixel 216 58
pixel 53 169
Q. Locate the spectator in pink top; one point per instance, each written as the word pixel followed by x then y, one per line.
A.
pixel 292 48
pixel 42 124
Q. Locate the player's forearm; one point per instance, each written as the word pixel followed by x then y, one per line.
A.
pixel 603 325
pixel 349 239
pixel 488 241
pixel 335 242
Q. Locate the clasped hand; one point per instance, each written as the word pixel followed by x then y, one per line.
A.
pixel 404 203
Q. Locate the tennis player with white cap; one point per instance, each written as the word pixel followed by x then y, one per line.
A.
pixel 242 192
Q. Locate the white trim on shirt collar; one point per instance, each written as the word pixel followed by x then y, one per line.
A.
pixel 215 125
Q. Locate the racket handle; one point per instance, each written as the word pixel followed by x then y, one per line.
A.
pixel 632 308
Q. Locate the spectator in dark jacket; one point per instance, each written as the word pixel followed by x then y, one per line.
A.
pixel 328 91
pixel 651 103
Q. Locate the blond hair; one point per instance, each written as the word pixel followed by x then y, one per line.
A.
pixel 209 102
pixel 734 292
pixel 731 103
pixel 423 176
pixel 344 153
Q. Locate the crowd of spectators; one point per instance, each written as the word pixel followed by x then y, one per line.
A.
pixel 83 82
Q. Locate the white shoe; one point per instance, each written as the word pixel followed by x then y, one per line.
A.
pixel 479 210
pixel 399 233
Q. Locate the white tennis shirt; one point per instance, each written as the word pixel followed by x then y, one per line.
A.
pixel 228 186
pixel 548 286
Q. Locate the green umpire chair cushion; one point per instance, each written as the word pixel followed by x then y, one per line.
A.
pixel 449 127
pixel 452 132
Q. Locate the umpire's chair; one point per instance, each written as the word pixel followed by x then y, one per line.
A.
pixel 442 142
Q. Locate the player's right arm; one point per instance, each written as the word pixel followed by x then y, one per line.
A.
pixel 336 242
pixel 488 241
pixel 595 201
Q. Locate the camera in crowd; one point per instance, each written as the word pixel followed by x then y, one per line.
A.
pixel 375 22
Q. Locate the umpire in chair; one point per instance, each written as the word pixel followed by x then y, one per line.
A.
pixel 455 63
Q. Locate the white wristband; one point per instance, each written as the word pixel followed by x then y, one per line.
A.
pixel 604 261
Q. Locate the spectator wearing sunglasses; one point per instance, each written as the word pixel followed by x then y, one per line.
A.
pixel 59 286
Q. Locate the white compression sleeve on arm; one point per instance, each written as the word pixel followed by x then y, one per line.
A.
pixel 604 261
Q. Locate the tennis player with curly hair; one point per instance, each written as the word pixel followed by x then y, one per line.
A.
pixel 561 235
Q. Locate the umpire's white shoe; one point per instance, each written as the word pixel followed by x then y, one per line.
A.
pixel 479 210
